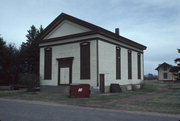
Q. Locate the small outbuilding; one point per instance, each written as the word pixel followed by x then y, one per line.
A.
pixel 164 73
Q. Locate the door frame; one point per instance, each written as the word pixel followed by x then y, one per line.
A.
pixel 64 63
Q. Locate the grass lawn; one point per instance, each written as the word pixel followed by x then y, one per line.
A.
pixel 154 97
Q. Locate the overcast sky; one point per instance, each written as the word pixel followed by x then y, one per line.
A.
pixel 153 23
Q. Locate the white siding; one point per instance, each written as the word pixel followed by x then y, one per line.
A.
pixel 124 66
pixel 142 67
pixel 107 64
pixel 107 61
pixel 134 79
pixel 69 50
pixel 66 28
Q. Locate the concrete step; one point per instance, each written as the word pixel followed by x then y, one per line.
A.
pixel 55 89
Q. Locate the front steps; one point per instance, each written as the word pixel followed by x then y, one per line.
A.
pixel 55 89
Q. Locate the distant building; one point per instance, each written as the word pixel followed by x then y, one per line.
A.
pixel 73 51
pixel 164 73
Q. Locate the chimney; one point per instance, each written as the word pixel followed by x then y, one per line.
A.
pixel 117 31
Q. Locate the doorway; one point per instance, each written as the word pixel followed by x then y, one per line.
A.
pixel 102 85
pixel 64 75
pixel 65 71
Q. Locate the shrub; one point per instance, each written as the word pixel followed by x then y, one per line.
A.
pixel 30 80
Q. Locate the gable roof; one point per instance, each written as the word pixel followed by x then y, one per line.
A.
pixel 94 28
pixel 163 64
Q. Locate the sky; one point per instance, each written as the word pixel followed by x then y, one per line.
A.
pixel 153 23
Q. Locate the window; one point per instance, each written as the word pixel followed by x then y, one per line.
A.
pixel 129 65
pixel 165 76
pixel 118 63
pixel 48 63
pixel 139 65
pixel 85 60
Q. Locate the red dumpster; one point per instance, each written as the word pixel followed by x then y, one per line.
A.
pixel 79 90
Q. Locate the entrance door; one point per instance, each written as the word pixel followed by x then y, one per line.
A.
pixel 64 75
pixel 65 70
pixel 102 83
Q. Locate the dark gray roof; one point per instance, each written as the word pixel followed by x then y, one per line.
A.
pixel 163 64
